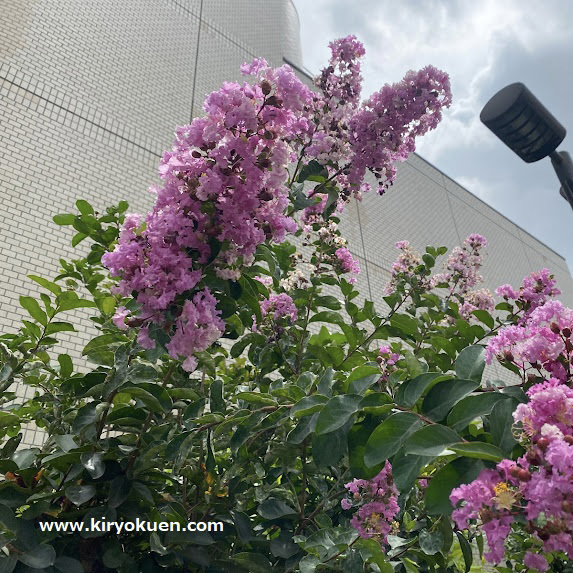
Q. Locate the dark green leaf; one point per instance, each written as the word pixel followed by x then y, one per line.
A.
pixel 406 469
pixel 328 449
pixel 93 463
pixel 85 417
pixel 431 542
pixel 252 562
pixel 389 436
pixel 39 557
pixel 466 551
pixel 336 413
pixel 66 365
pixel 442 397
pixel 405 323
pixel 485 317
pixel 308 405
pixel 362 378
pixel 273 508
pixel 501 422
pixel 470 363
pixel 410 391
pixel 79 494
pixel 54 327
pixel 479 450
pixel 430 441
pixel 472 407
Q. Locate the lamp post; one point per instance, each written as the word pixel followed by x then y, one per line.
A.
pixel 523 123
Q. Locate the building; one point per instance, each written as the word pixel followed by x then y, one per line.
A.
pixel 90 94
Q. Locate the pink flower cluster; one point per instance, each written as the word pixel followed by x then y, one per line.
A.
pixel 463 265
pixel 224 193
pixel 350 139
pixel 377 504
pixel 537 288
pixel 387 360
pixel 542 340
pixel 404 266
pixel 384 129
pixel 276 311
pixel 347 263
pixel 539 486
pixel 480 299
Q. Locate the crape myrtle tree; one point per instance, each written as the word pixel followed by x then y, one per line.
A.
pixel 228 384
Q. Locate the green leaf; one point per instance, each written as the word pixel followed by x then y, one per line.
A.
pixel 328 449
pixel 430 441
pixel 39 557
pixel 362 378
pixel 376 404
pixel 257 398
pixel 64 219
pixel 312 171
pixel 442 397
pixel 404 322
pixel 7 419
pixel 410 391
pixel 431 542
pixel 84 207
pixel 371 551
pixel 253 562
pixel 389 437
pixel 336 413
pixel 78 238
pixel 328 301
pixel 485 317
pixel 470 363
pixel 79 494
pixel 155 397
pixel 85 417
pixel 472 407
pixel 93 463
pixel 501 422
pixel 107 305
pixel 49 285
pixel 328 316
pixel 54 327
pixel 66 365
pixel 102 341
pixel 31 305
pixel 308 405
pixel 71 304
pixel 479 450
pixel 406 469
pixel 466 551
pixel 68 565
pixel 452 475
pixel 273 508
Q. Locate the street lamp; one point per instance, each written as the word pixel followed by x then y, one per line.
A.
pixel 522 122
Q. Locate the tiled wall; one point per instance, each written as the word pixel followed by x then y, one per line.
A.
pixel 91 92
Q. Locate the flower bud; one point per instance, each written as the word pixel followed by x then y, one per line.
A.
pixel 555 328
pixel 569 439
pixel 566 332
pixel 196 154
pixel 532 457
pixel 543 444
pixel 266 87
pixel 508 356
pixel 514 471
pixel 567 506
pixel 524 475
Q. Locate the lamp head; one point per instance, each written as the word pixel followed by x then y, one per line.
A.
pixel 521 121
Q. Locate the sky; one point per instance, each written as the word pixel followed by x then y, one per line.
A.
pixel 483 45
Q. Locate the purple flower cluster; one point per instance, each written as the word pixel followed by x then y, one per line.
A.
pixel 347 263
pixel 463 265
pixel 539 486
pixel 276 311
pixel 404 266
pixel 384 128
pixel 387 360
pixel 224 193
pixel 377 504
pixel 537 288
pixel 542 340
pixel 480 299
